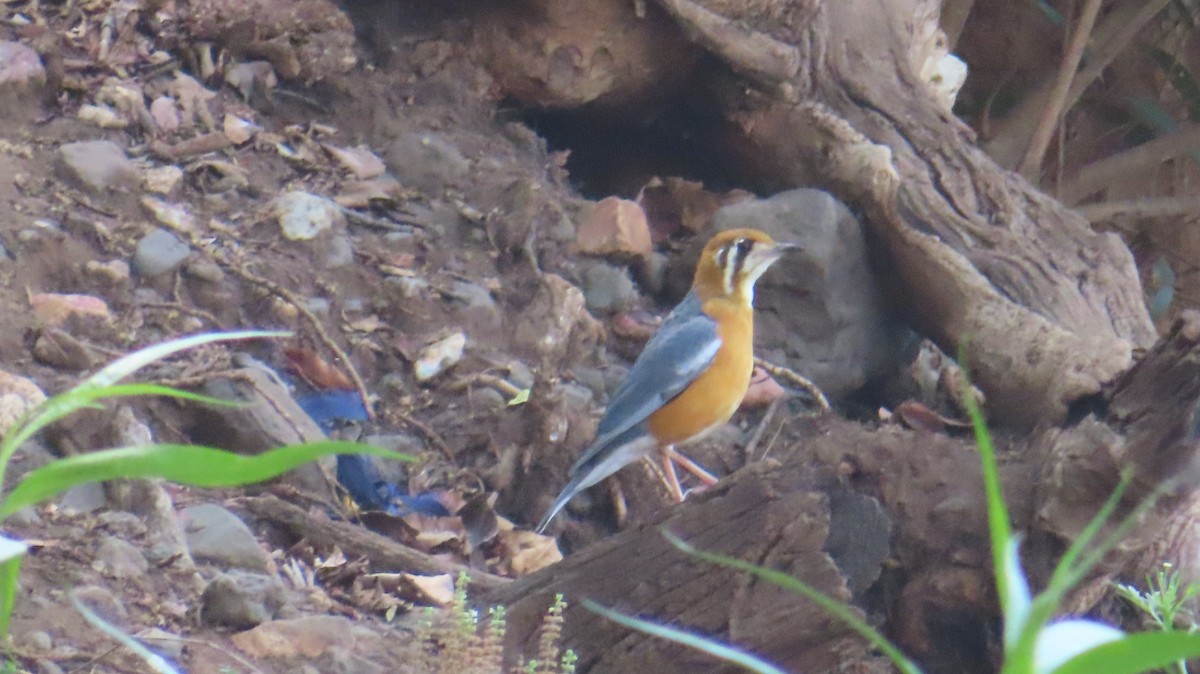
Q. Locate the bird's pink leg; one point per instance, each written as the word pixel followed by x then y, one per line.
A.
pixel 690 466
pixel 668 466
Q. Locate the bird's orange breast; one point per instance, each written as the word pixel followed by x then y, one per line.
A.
pixel 710 400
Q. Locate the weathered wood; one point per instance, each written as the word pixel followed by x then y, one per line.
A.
pixel 356 541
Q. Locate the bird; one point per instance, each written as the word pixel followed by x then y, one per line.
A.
pixel 690 377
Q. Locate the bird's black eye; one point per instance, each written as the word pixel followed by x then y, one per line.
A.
pixel 743 246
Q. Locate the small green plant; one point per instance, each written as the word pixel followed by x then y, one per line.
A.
pixel 185 464
pixel 1034 643
pixel 457 645
pixel 1165 602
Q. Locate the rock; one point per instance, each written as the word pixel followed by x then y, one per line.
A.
pixel 818 310
pixel 556 325
pixel 165 112
pixel 112 274
pixel 337 252
pixel 426 161
pixel 104 603
pixel 18 395
pixel 481 308
pixel 303 216
pixel 439 356
pixel 162 179
pixel 98 166
pixel 242 600
pixel 24 518
pixel 117 558
pixel 606 288
pixel 173 216
pixel 53 309
pixel 38 640
pixel 615 227
pixel 21 69
pixel 57 348
pixel 48 667
pixel 159 252
pixel 217 536
pixel 84 498
pixel 360 161
pixel 308 637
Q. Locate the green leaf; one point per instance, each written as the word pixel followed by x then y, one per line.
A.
pixel 521 398
pixel 829 604
pixel 1135 653
pixel 11 553
pixel 703 644
pixel 91 389
pixel 185 464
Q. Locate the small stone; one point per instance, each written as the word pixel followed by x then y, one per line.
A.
pixel 117 558
pixel 217 536
pixel 238 130
pixel 18 396
pixel 303 216
pixel 25 517
pixel 426 161
pixel 173 216
pixel 59 349
pixel 204 270
pixel 48 667
pixel 53 309
pixel 21 68
pixel 162 179
pixel 84 498
pixel 98 166
pixel 104 603
pixel 159 252
pixel 114 273
pixel 439 356
pixel 337 252
pixel 607 289
pixel 165 112
pixel 615 227
pixel 241 600
pixel 38 641
pixel 360 161
pixel 102 116
pixel 308 637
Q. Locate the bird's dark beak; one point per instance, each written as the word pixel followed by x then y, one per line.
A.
pixel 783 248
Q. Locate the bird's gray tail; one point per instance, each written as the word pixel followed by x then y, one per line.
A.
pixel 569 492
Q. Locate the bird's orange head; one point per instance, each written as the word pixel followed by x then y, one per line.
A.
pixel 733 260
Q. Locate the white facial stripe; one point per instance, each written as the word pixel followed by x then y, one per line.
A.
pixel 727 265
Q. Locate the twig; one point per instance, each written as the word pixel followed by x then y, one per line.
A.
pixel 1115 168
pixel 768 416
pixel 796 379
pixel 1032 163
pixel 431 435
pixel 1141 209
pixel 502 385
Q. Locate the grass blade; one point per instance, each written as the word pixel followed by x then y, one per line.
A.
pixel 127 365
pixel 11 554
pixel 185 464
pixel 701 643
pixel 157 663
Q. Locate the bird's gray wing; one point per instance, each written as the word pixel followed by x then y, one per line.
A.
pixel 680 351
